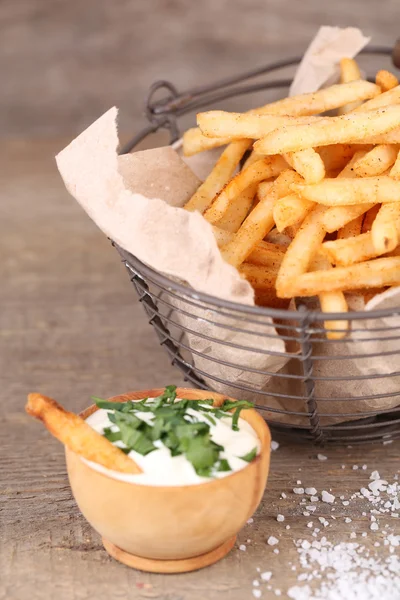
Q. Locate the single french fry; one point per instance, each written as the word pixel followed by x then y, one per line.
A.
pixel 380 101
pixel 72 431
pixel 376 161
pixel 386 80
pixel 349 128
pixel 331 302
pixel 258 171
pixel 307 163
pixel 221 173
pixel 291 210
pixel 238 209
pixel 369 217
pixel 301 251
pixel 344 252
pixel 219 123
pixel 311 103
pixel 395 170
pixel 342 192
pixel 260 278
pixel 380 272
pixel 349 71
pixel 194 142
pixel 337 217
pixel 385 230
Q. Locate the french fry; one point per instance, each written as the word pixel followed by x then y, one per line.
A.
pixel 258 171
pixel 342 192
pixel 303 105
pixel 260 278
pixel 369 218
pixel 301 251
pixel 78 436
pixel 386 80
pixel 376 161
pixel 259 222
pixel 307 163
pixel 336 156
pixel 351 229
pixel 265 254
pixel 218 123
pixel 238 209
pixel 385 229
pixel 331 302
pixel 251 159
pixel 380 101
pixel 291 210
pixel 194 142
pixel 223 170
pixel 380 272
pixel 345 252
pixel 350 128
pixel 337 217
pixel 349 71
pixel 395 170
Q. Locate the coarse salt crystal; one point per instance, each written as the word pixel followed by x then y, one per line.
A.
pixel 298 482
pixel 355 467
pixel 310 524
pixel 306 513
pixel 311 491
pixel 364 467
pixel 322 457
pixel 272 541
pixel 274 445
pixel 278 593
pixel 242 547
pixel 327 497
pixel 256 583
pixel 311 508
pixel 257 593
pixel 276 551
pixel 353 535
pixel 347 520
pixel 374 526
pixel 250 521
pixel 298 490
pixel 287 526
pixel 280 518
pixel 345 502
pixel 374 475
pixel 266 576
pixel 283 495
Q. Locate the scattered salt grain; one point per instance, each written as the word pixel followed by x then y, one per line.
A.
pixel 374 475
pixel 314 499
pixel 345 502
pixel 257 593
pixel 256 583
pixel 283 495
pixel 266 576
pixel 298 482
pixel 298 490
pixel 274 446
pixel 364 467
pixel 347 520
pixel 272 541
pixel 353 535
pixel 280 518
pixel 310 524
pixel 343 466
pixel 327 497
pixel 306 513
pixel 287 526
pixel 311 491
pixel 322 457
pixel 278 593
pixel 276 551
pixel 311 508
pixel 250 521
pixel 242 547
pixel 355 467
pixel 374 526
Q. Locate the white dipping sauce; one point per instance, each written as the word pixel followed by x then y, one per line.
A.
pixel 160 468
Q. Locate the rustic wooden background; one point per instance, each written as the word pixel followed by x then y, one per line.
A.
pixel 69 323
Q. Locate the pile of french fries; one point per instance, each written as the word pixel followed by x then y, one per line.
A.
pixel 303 204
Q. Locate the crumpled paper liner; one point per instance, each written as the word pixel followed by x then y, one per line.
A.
pixel 136 200
pixel 320 64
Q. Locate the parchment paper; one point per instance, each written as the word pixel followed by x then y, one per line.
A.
pixel 320 64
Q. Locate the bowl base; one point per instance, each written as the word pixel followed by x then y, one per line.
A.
pixel 183 565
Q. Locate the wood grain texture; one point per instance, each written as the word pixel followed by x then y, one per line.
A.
pixel 66 62
pixel 70 327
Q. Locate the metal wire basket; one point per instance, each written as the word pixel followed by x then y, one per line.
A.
pixel 328 391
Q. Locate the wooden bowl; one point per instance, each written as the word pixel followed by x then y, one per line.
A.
pixel 171 529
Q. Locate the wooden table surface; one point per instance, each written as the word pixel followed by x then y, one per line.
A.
pixel 71 327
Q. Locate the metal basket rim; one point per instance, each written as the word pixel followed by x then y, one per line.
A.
pixel 261 311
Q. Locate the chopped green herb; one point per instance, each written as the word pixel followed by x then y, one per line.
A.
pixel 177 429
pixel 224 465
pixel 250 455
